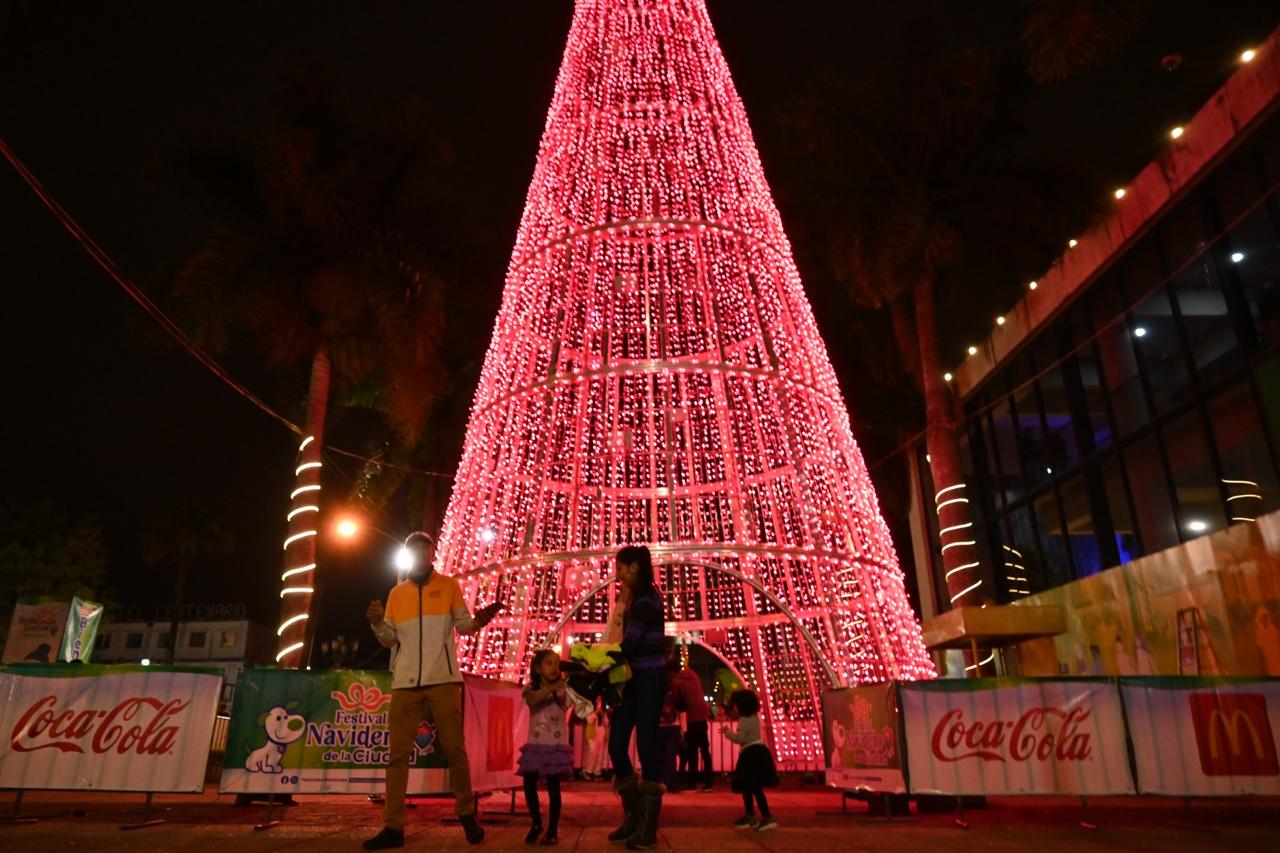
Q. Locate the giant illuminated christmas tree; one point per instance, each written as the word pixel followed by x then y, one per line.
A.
pixel 656 376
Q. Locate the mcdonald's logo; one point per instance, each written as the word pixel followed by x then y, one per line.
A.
pixel 1233 734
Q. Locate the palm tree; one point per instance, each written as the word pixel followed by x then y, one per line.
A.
pixel 315 269
pixel 929 205
pixel 1063 37
pixel 174 541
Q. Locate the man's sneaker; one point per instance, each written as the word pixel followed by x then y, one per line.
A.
pixel 472 827
pixel 766 824
pixel 745 821
pixel 386 839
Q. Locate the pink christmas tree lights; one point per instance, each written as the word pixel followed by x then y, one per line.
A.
pixel 656 376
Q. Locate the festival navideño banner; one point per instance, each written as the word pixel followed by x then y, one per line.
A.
pixel 1016 736
pixel 299 731
pixel 106 728
pixel 861 740
pixel 1198 737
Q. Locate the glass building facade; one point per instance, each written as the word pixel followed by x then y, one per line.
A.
pixel 1147 413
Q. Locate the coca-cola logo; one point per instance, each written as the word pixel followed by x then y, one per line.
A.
pixel 142 725
pixel 1040 734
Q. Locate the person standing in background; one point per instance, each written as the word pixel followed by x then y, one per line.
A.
pixel 697 741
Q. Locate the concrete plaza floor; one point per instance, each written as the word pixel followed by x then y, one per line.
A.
pixel 810 819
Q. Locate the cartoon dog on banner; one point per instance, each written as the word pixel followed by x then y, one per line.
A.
pixel 282 729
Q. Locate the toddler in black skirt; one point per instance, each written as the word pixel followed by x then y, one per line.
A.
pixel 755 770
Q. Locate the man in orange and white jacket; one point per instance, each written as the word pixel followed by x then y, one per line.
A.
pixel 422 614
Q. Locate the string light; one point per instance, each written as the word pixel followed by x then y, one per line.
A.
pixel 1000 320
pixel 973 350
pixel 299 554
pixel 1177 132
pixel 947 377
pixel 1119 193
pixel 287 650
pixel 297 571
pixel 1248 55
pixel 294 513
pixel 297 536
pixel 656 375
pixel 1072 243
pixel 1033 285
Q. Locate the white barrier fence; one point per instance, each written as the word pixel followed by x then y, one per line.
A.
pixel 117 728
pixel 1075 736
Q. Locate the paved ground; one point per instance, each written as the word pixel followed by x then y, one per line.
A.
pixel 810 819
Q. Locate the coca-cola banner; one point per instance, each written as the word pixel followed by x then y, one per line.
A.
pixel 106 728
pixel 1204 736
pixel 1016 736
pixel 298 731
pixel 861 740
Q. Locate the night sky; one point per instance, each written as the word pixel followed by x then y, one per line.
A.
pixel 106 102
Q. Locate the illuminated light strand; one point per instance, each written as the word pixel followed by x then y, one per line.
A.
pixel 965 591
pixel 981 663
pixel 287 650
pixel 284 626
pixel 306 466
pixel 959 569
pixel 1242 518
pixel 952 501
pixel 303 490
pixel 309 567
pixel 953 528
pixel 1251 483
pixel 947 489
pixel 306 441
pixel 1241 497
pixel 296 590
pixel 656 375
pixel 300 510
pixel 1012 550
pixel 298 537
pixel 957 544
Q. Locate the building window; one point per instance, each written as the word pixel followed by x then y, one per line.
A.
pixel 133 641
pixel 1253 257
pixel 1156 338
pixel 163 640
pixel 227 640
pixel 1248 472
pixel 1118 364
pixel 1205 317
pixel 197 640
pixel 1198 488
pixel 1146 470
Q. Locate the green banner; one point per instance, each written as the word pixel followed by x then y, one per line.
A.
pixel 320 732
pixel 82 630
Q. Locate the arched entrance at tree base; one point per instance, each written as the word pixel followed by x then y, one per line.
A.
pixel 712 634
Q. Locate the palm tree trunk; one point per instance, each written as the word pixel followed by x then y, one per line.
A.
pixel 298 581
pixel 905 336
pixel 179 601
pixel 959 550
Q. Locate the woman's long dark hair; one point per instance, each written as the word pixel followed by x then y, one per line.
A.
pixel 639 555
pixel 535 678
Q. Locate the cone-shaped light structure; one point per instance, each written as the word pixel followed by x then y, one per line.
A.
pixel 656 376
